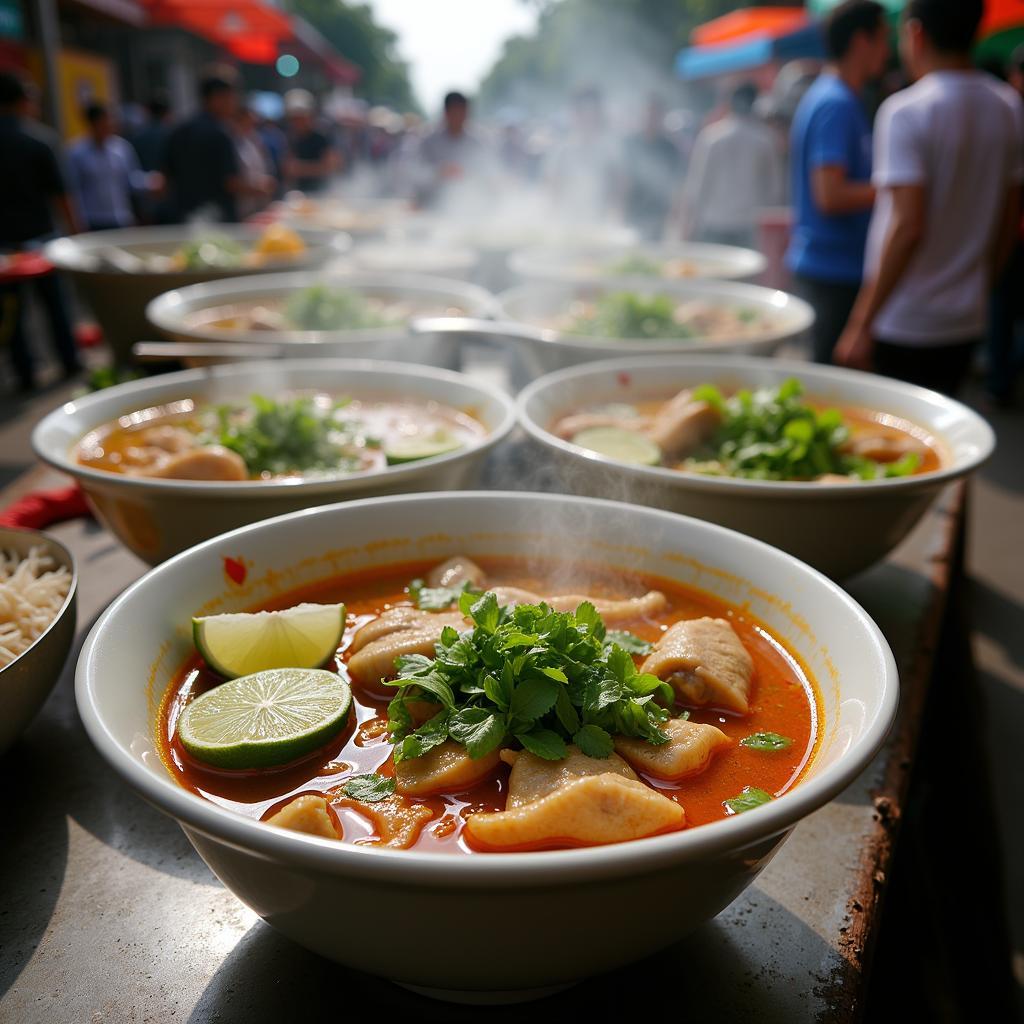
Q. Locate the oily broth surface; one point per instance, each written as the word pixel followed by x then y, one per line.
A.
pixel 783 701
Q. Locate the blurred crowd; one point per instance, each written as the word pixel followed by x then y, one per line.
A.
pixel 905 216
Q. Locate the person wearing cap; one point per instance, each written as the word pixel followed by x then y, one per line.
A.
pixel 312 157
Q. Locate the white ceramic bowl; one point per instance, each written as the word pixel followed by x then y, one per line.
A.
pixel 487 926
pixel 581 263
pixel 545 349
pixel 838 528
pixel 27 681
pixel 412 257
pixel 118 298
pixel 158 518
pixel 170 313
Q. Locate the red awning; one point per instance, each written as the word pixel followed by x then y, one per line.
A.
pixel 250 30
pixel 753 21
pixel 1001 15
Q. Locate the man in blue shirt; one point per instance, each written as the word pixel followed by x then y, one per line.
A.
pixel 105 173
pixel 831 170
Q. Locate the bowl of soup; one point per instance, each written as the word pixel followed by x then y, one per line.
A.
pixel 658 261
pixel 119 271
pixel 169 461
pixel 533 712
pixel 556 325
pixel 832 465
pixel 359 314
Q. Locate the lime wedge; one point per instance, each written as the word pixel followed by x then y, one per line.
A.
pixel 620 444
pixel 412 449
pixel 244 642
pixel 266 719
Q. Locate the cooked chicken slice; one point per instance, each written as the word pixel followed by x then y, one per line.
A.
pixel 681 425
pixel 445 769
pixel 396 820
pixel 688 752
pixel 307 814
pixel 705 662
pixel 168 438
pixel 611 610
pixel 455 572
pixel 534 777
pixel 834 478
pixel 587 811
pixel 883 447
pixel 211 462
pixel 405 631
pixel 569 426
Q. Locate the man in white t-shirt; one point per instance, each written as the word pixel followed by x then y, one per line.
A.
pixel 948 166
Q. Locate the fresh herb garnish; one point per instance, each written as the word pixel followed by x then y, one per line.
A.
pixel 323 308
pixel 290 436
pixel 632 315
pixel 370 788
pixel 529 674
pixel 629 641
pixel 750 798
pixel 636 264
pixel 213 251
pixel 771 434
pixel 436 599
pixel 766 741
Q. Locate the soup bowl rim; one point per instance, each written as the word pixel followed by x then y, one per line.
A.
pixel 725 364
pixel 484 870
pixel 63 460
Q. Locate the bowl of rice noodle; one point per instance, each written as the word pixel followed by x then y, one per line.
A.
pixel 37 624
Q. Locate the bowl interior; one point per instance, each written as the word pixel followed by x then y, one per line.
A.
pixel 965 439
pixel 135 649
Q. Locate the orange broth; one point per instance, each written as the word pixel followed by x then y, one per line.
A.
pixel 783 700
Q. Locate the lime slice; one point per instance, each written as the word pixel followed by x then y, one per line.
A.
pixel 412 449
pixel 266 719
pixel 620 444
pixel 244 642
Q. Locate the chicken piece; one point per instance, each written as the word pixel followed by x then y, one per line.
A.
pixel 588 811
pixel 168 438
pixel 535 777
pixel 211 462
pixel 569 426
pixel 883 447
pixel 263 319
pixel 445 769
pixel 681 425
pixel 456 571
pixel 835 478
pixel 307 814
pixel 705 662
pixel 688 752
pixel 398 631
pixel 397 821
pixel 611 610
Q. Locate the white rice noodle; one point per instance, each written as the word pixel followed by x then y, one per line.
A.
pixel 32 592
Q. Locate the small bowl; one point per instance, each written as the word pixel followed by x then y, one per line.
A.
pixel 172 312
pixel 118 297
pixel 27 681
pixel 838 528
pixel 482 927
pixel 593 263
pixel 158 518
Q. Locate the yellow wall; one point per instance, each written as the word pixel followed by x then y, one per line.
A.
pixel 83 77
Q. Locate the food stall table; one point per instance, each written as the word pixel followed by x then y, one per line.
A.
pixel 108 915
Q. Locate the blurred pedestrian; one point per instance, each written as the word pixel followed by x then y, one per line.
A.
pixel 104 173
pixel 449 158
pixel 652 165
pixel 150 141
pixel 830 169
pixel 585 170
pixel 255 165
pixel 312 158
pixel 949 164
pixel 1007 306
pixel 201 162
pixel 32 187
pixel 735 171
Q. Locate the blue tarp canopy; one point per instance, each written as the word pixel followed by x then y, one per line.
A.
pixel 724 58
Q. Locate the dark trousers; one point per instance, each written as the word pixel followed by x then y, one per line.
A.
pixel 13 307
pixel 832 302
pixel 1006 315
pixel 942 368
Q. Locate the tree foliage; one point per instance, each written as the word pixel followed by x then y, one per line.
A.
pixel 352 30
pixel 610 43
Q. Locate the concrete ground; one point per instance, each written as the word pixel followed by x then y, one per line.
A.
pixel 996 567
